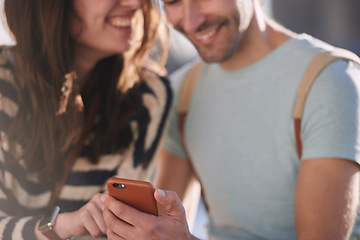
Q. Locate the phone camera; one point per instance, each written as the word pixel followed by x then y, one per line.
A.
pixel 119 185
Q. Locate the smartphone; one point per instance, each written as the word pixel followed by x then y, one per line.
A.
pixel 137 194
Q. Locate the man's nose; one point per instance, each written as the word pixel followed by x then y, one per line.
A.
pixel 192 17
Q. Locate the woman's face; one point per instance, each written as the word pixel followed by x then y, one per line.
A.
pixel 103 27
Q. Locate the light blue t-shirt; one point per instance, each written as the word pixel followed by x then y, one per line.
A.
pixel 240 135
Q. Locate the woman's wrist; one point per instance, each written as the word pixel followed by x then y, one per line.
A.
pixel 61 228
pixel 63 225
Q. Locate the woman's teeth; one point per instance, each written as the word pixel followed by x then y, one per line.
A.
pixel 120 22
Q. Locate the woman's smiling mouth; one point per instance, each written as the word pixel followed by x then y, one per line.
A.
pixel 123 22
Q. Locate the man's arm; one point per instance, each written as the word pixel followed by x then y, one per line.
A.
pixel 326 198
pixel 173 173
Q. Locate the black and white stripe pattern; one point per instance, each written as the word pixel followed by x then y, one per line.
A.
pixel 23 198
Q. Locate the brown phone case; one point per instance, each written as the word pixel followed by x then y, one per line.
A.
pixel 137 194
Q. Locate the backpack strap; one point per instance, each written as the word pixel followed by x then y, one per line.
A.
pixel 185 96
pixel 316 66
pixel 186 93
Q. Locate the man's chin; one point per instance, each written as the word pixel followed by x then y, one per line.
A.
pixel 213 58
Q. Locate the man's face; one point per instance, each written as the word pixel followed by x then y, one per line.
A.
pixel 215 27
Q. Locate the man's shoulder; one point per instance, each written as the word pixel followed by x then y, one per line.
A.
pixel 306 41
pixel 342 74
pixel 178 76
pixel 296 55
pixel 338 68
pixel 303 48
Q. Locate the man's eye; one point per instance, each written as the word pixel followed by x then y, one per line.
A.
pixel 170 2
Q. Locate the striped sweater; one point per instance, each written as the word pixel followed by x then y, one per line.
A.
pixel 23 198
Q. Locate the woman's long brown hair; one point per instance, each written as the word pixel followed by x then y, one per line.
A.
pixel 43 55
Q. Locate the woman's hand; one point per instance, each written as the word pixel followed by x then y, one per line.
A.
pixel 87 220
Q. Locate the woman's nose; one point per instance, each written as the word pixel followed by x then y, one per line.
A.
pixel 133 4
